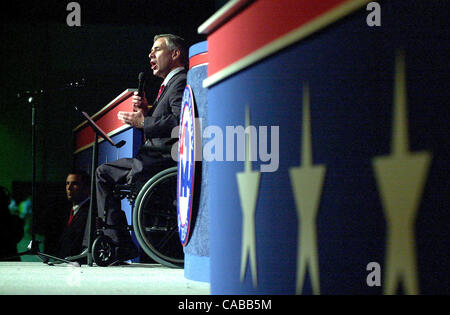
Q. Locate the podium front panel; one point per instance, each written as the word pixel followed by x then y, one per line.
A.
pixel 345 193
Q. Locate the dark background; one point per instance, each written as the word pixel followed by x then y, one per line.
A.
pixel 41 52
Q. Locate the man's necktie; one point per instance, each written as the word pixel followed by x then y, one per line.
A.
pixel 160 91
pixel 70 217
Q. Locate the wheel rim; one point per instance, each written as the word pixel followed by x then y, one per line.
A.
pixel 155 221
pixel 103 251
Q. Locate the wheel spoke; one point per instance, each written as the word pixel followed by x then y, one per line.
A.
pixel 165 239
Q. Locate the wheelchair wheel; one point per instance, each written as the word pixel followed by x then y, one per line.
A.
pixel 103 251
pixel 155 219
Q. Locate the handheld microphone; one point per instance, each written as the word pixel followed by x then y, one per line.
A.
pixel 141 84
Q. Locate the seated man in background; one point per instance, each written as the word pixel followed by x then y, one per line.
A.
pixel 77 191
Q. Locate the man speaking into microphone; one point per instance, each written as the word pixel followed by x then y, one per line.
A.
pixel 168 60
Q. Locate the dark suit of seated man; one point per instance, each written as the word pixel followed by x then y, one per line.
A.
pixel 74 236
pixel 168 60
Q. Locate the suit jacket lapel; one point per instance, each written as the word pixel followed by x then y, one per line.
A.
pixel 80 211
pixel 166 88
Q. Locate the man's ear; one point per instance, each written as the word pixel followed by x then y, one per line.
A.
pixel 176 54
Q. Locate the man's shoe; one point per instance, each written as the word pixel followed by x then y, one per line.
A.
pixel 126 252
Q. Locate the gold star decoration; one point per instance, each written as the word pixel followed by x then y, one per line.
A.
pixel 248 184
pixel 400 178
pixel 307 182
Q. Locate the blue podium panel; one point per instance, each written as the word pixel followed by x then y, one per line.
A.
pixel 344 190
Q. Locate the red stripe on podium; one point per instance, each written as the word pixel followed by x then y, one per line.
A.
pixel 260 24
pixel 198 60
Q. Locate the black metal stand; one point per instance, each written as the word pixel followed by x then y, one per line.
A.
pixel 33 249
pixel 93 199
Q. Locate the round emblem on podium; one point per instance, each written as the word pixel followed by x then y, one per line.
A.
pixel 186 165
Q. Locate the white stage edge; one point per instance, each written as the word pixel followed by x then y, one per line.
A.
pixel 37 278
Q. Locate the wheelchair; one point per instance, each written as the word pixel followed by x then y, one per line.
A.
pixel 154 221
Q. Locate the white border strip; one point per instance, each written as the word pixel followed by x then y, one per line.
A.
pixel 286 40
pixel 218 18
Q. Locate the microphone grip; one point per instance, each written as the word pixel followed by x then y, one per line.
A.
pixel 141 84
pixel 141 88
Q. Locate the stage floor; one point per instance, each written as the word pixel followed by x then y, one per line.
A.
pixel 134 279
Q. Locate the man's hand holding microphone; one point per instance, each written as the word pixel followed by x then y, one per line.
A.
pixel 140 107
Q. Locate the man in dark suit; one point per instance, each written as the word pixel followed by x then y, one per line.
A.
pixel 168 60
pixel 77 191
